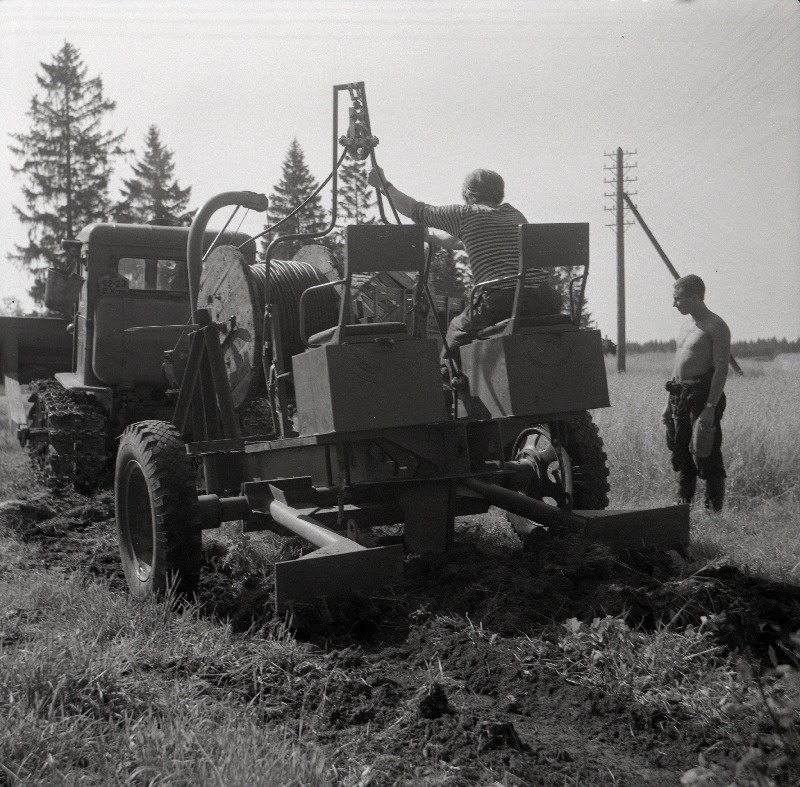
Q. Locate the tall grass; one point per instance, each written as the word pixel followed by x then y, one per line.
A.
pixel 760 448
pixel 679 679
pixel 16 476
pixel 97 689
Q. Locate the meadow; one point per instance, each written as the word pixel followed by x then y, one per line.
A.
pixel 489 668
pixel 759 527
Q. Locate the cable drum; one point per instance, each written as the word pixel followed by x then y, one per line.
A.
pixel 233 292
pixel 289 279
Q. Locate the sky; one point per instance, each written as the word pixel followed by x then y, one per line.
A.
pixel 703 94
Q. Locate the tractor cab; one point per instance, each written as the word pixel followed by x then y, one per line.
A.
pixel 131 277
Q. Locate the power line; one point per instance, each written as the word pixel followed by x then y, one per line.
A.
pixel 731 64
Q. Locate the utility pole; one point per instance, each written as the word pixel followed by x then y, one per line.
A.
pixel 620 166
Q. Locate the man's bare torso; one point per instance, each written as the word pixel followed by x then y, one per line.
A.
pixel 694 352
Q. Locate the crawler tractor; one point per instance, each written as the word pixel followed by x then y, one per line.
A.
pixel 127 300
pixel 294 417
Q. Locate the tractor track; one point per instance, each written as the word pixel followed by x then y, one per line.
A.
pixel 68 439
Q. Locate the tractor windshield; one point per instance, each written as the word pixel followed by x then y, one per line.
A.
pixel 154 274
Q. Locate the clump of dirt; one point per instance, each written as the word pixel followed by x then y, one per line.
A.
pixel 68 532
pixel 754 614
pixel 449 671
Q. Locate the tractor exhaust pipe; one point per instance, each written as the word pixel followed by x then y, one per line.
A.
pixel 194 248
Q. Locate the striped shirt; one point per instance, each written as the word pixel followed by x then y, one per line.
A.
pixel 490 235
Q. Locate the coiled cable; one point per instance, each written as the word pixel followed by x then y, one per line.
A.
pixel 288 280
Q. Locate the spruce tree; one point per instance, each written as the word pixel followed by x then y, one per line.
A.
pixel 296 184
pixel 64 161
pixel 355 204
pixel 446 277
pixel 153 194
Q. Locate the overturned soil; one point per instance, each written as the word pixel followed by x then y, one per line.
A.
pixel 453 671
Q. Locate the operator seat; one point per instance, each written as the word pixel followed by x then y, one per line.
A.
pixel 369 248
pixel 546 247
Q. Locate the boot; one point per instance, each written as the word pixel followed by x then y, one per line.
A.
pixel 686 491
pixel 715 494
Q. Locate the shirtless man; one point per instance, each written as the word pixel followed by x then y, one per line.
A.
pixel 696 391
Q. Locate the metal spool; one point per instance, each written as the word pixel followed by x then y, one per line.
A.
pixel 233 292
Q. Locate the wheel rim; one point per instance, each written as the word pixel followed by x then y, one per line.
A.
pixel 138 521
pixel 553 481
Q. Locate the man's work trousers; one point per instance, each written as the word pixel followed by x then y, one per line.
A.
pixel 493 307
pixel 687 399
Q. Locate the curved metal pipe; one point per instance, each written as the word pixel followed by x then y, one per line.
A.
pixel 194 247
pixel 311 530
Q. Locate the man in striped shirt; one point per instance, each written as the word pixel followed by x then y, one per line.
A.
pixel 488 229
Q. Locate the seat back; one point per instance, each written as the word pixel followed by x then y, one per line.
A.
pixel 546 247
pixel 372 248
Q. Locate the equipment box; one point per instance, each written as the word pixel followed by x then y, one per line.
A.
pixel 536 373
pixel 368 385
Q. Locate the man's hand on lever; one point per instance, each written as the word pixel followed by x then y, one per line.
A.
pixel 402 202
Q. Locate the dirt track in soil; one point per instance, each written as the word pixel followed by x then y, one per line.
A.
pixel 443 673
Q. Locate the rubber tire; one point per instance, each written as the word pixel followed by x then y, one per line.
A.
pixel 584 447
pixel 157 513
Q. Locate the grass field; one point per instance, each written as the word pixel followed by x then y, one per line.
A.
pixel 489 670
pixel 759 526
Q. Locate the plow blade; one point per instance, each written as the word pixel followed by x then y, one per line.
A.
pixel 663 528
pixel 324 575
pixel 338 568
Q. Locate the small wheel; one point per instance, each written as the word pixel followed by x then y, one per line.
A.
pixel 551 463
pixel 569 472
pixel 158 520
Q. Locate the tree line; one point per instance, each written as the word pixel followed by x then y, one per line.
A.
pixel 67 158
pixel 66 161
pixel 754 348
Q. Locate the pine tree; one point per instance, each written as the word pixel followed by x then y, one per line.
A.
pixel 153 194
pixel 64 161
pixel 356 204
pixel 295 186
